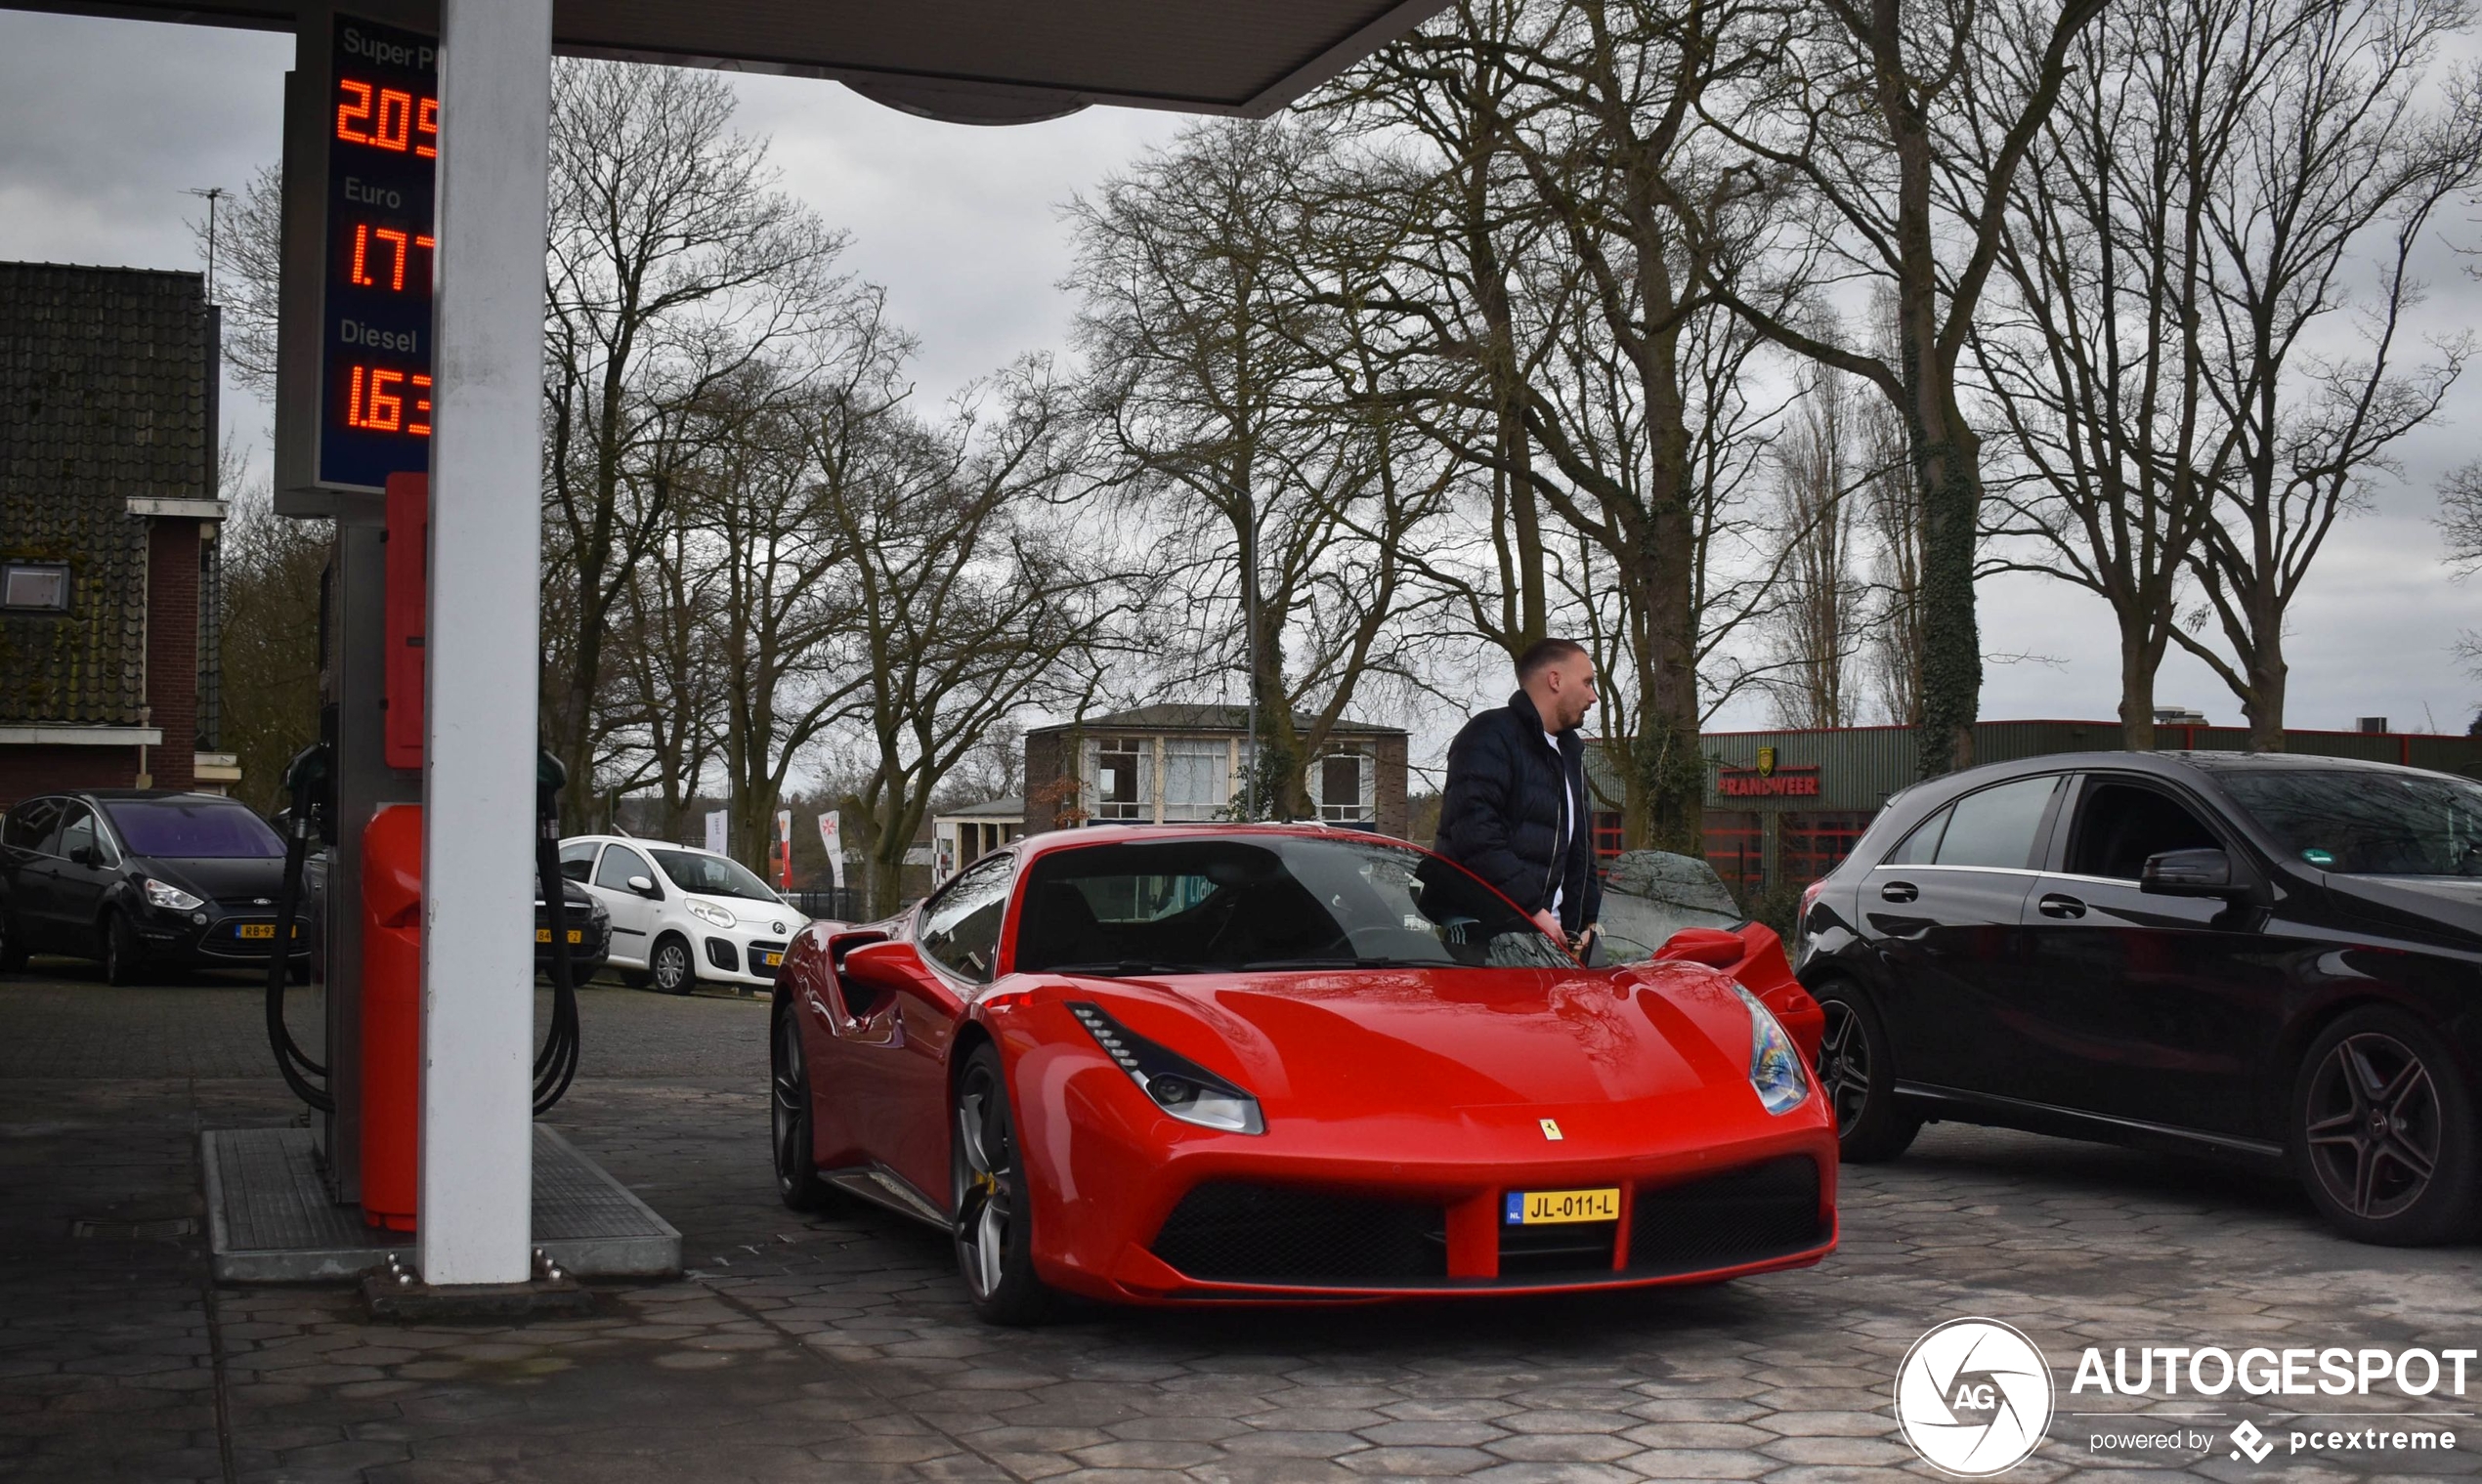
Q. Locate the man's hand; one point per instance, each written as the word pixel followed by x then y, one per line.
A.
pixel 1549 923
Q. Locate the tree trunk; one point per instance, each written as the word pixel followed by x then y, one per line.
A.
pixel 2263 707
pixel 2141 656
pixel 1948 456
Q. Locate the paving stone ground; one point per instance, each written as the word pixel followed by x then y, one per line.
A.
pixel 840 1348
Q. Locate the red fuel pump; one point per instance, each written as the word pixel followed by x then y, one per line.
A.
pixel 390 899
pixel 391 1015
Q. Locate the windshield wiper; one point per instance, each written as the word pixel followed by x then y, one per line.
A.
pixel 1121 969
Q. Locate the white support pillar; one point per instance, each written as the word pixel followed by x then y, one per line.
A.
pixel 478 956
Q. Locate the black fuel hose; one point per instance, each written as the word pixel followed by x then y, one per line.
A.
pixel 291 1059
pixel 556 1065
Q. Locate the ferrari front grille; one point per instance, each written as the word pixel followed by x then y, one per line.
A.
pixel 1230 1231
pixel 1581 1250
pixel 1741 1216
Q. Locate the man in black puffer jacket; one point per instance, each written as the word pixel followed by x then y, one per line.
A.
pixel 1515 809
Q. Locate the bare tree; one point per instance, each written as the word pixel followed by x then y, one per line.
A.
pixel 1815 625
pixel 1907 121
pixel 676 266
pixel 1579 354
pixel 668 710
pixel 2337 173
pixel 250 249
pixel 971 597
pixel 1892 502
pixel 1238 402
pixel 2094 356
pixel 271 581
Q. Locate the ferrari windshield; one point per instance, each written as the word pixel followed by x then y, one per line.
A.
pixel 1266 903
pixel 2367 823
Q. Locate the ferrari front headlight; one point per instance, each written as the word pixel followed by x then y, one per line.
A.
pixel 1178 1085
pixel 1774 1066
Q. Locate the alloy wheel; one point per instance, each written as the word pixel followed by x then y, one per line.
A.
pixel 788 1110
pixel 2374 1125
pixel 671 968
pixel 984 1174
pixel 1844 1063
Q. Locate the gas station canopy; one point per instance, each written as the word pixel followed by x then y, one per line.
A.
pixel 993 62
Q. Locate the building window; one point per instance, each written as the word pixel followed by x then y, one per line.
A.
pixel 1119 783
pixel 1735 847
pixel 1197 778
pixel 1343 781
pixel 35 587
pixel 1816 843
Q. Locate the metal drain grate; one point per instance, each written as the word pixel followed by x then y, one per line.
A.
pixel 166 1230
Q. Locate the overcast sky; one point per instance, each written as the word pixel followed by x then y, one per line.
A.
pixel 103 124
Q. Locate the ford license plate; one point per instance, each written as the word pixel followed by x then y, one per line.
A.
pixel 543 935
pixel 254 930
pixel 1555 1207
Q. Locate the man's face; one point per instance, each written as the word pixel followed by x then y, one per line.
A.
pixel 1571 682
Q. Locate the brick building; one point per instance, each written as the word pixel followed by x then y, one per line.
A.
pixel 107 530
pixel 1164 763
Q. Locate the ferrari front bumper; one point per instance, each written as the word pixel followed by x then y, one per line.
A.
pixel 1150 1211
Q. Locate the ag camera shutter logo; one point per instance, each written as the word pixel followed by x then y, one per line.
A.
pixel 1974 1397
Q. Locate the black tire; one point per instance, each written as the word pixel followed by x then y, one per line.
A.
pixel 993 1233
pixel 798 1181
pixel 12 946
pixel 1857 1073
pixel 671 967
pixel 636 979
pixel 2383 1131
pixel 120 949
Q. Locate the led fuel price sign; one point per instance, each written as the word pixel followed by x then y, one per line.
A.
pixel 382 119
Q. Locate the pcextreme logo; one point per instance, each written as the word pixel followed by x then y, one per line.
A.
pixel 1973 1397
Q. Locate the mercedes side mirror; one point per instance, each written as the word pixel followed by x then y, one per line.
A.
pixel 2189 874
pixel 645 888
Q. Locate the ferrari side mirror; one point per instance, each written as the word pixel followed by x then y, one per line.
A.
pixel 1714 946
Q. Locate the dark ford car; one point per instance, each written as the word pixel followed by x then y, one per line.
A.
pixel 2277 958
pixel 139 876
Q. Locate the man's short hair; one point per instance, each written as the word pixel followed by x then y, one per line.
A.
pixel 1542 654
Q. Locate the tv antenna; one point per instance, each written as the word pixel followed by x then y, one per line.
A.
pixel 213 194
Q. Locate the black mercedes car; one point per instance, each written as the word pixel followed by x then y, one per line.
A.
pixel 145 879
pixel 2276 959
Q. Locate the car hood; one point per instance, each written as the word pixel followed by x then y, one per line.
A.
pixel 2446 910
pixel 1378 1042
pixel 217 879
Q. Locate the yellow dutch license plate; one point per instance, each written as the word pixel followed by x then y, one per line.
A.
pixel 543 935
pixel 772 961
pixel 255 930
pixel 1555 1207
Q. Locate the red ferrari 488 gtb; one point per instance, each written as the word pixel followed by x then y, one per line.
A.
pixel 1243 1063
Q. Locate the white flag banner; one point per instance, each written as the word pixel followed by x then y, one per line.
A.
pixel 715 831
pixel 784 848
pixel 832 835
